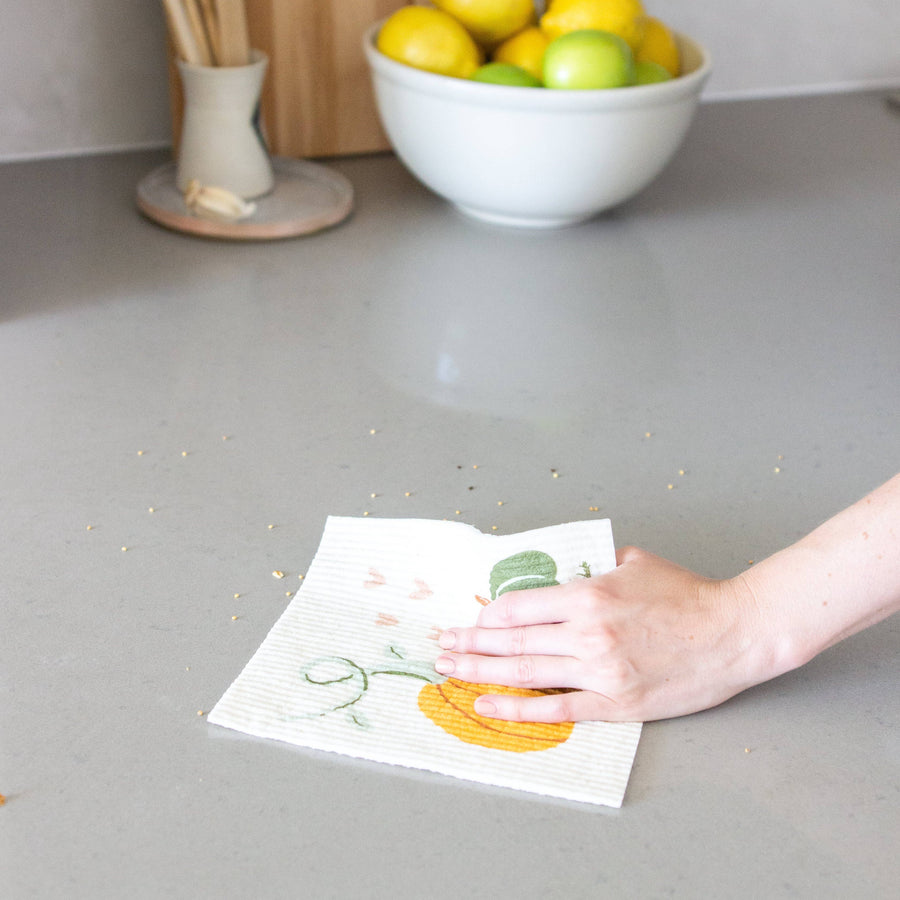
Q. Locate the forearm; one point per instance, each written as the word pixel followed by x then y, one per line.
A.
pixel 839 579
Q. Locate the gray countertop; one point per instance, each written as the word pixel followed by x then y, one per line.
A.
pixel 742 312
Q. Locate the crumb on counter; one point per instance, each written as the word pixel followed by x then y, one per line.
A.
pixel 278 574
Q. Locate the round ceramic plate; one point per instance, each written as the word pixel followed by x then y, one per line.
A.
pixel 307 197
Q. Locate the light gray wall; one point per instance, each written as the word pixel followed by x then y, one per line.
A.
pixel 85 75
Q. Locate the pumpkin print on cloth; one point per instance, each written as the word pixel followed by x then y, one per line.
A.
pixel 451 704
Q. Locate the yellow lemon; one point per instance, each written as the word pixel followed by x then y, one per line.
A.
pixel 429 39
pixel 659 46
pixel 490 21
pixel 525 49
pixel 622 17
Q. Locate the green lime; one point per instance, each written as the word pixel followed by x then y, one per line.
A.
pixel 588 59
pixel 505 73
pixel 648 72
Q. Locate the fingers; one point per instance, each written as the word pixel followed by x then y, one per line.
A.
pixel 527 671
pixel 534 606
pixel 550 640
pixel 573 706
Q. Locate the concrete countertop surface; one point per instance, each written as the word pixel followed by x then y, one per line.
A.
pixel 742 312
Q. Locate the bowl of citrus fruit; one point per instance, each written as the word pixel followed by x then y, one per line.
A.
pixel 534 115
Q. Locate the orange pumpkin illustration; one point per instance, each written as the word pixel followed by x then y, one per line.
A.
pixel 451 705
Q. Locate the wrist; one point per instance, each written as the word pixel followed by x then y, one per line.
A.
pixel 770 645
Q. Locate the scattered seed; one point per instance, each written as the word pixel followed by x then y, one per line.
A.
pixel 593 509
pixel 373 496
pixel 140 452
pixel 366 513
pixel 499 503
pixel 459 512
pixel 270 527
pixel 224 437
pixel 200 712
pixel 236 596
pixel 2 799
pixel 493 527
pixel 278 574
pixel 234 618
pixel 408 494
pixel 670 486
pixel 90 528
pixel 474 467
pixel 372 431
pixel 288 594
pixel 300 577
pixel 749 562
pixel 184 452
pixel 681 471
pixel 746 749
pixel 151 509
pixel 777 469
pixel 647 434
pixel 124 549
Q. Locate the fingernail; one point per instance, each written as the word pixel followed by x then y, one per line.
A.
pixel 484 707
pixel 444 665
pixel 447 640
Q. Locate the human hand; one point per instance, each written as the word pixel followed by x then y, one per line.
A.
pixel 648 640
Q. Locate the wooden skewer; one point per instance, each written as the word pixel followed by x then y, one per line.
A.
pixel 182 36
pixel 234 40
pixel 195 19
pixel 211 25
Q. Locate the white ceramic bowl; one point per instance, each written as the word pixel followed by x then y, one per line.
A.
pixel 534 156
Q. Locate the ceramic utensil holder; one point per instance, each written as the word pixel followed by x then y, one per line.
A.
pixel 221 141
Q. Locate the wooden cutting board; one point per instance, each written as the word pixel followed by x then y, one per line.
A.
pixel 317 98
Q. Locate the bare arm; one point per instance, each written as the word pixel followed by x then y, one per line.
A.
pixel 651 640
